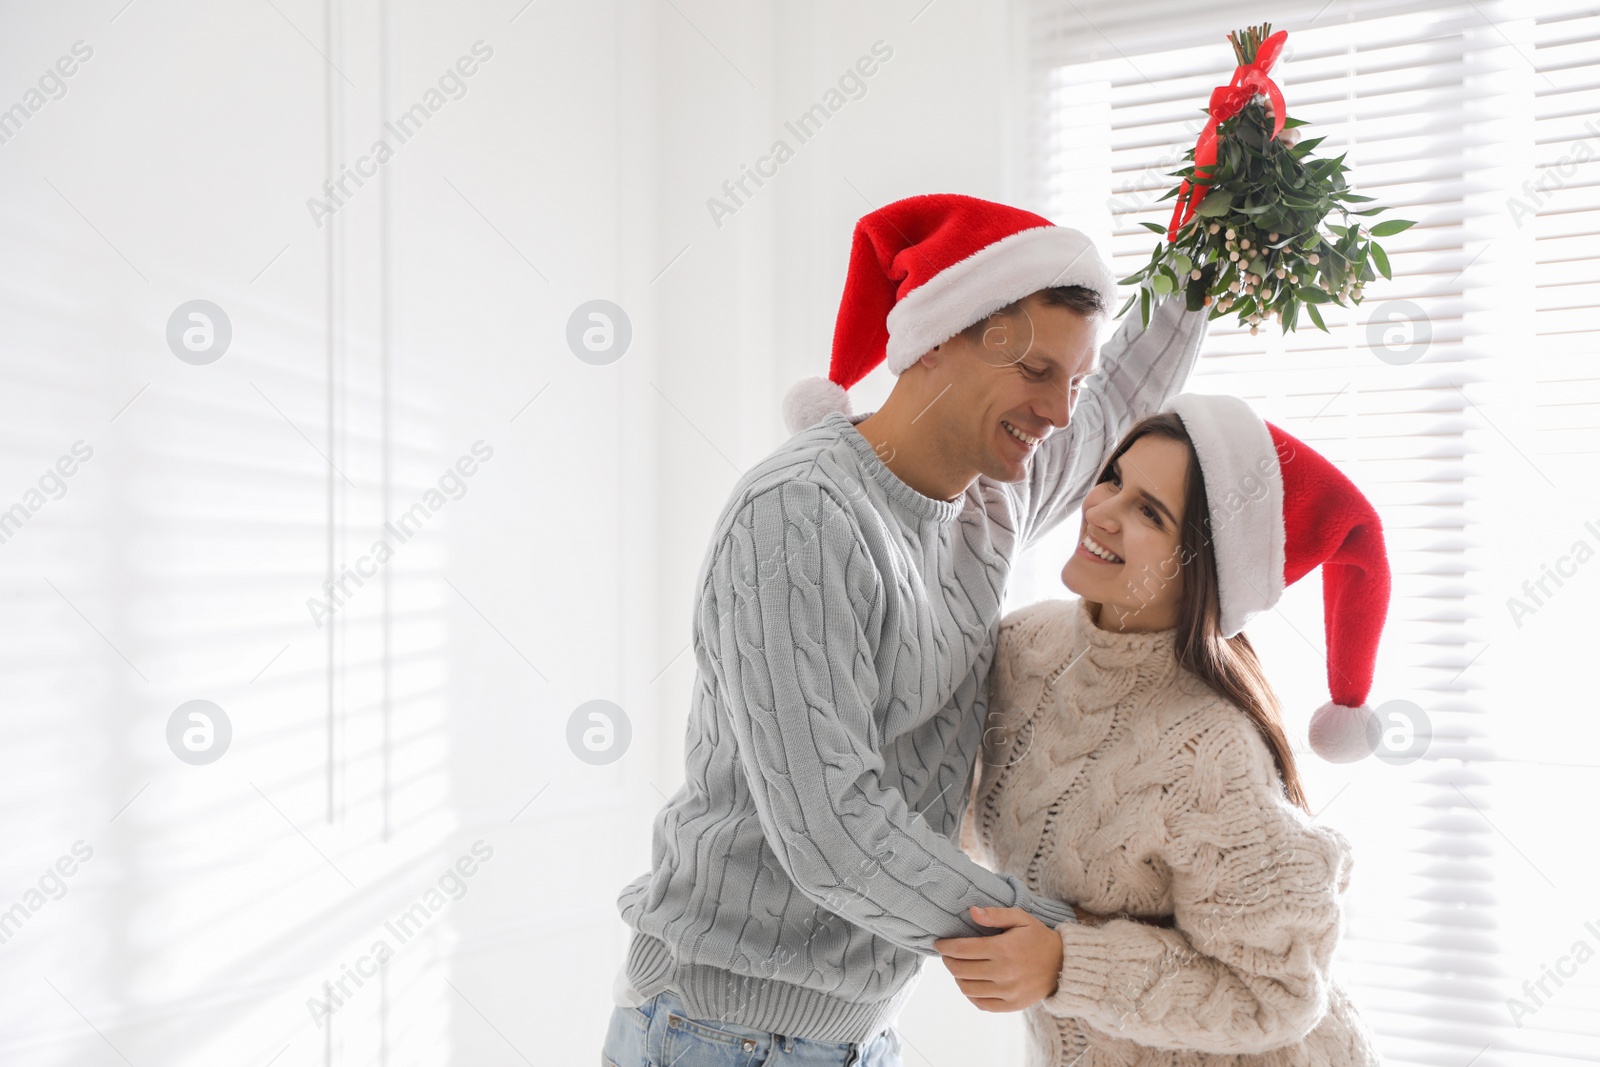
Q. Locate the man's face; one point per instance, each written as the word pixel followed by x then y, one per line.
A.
pixel 1023 373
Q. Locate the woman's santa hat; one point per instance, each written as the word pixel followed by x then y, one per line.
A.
pixel 925 268
pixel 1278 509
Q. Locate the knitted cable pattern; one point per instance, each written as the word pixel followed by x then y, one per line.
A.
pixel 1116 779
pixel 843 630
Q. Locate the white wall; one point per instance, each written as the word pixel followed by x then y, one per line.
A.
pixel 429 711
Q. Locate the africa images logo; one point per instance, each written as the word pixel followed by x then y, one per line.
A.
pixel 452 85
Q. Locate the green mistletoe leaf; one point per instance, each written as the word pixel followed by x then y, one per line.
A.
pixel 1216 204
pixel 1380 257
pixel 1390 228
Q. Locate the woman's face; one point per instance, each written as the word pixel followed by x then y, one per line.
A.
pixel 1133 513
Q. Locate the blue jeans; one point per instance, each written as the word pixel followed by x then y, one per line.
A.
pixel 659 1033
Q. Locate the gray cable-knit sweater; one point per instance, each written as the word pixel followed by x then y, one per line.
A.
pixel 843 634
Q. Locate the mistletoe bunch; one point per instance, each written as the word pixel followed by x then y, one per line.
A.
pixel 1250 235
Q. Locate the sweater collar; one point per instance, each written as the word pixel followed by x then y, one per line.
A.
pixel 1114 662
pixel 908 500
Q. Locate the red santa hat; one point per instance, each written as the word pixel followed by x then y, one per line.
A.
pixel 925 268
pixel 1278 509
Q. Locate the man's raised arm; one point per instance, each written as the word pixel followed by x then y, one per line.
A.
pixel 1139 371
pixel 782 632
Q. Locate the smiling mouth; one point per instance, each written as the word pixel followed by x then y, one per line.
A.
pixel 1099 551
pixel 1028 440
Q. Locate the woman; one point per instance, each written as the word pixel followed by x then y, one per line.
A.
pixel 1136 765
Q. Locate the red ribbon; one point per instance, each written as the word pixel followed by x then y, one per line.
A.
pixel 1226 102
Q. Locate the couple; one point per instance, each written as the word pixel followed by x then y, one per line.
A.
pixel 1140 876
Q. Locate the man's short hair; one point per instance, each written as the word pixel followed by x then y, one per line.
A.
pixel 1080 298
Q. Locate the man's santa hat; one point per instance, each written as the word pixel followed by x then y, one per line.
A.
pixel 1278 509
pixel 925 268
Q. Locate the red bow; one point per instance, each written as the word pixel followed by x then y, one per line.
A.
pixel 1226 102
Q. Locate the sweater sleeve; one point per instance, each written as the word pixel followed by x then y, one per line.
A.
pixel 1256 888
pixel 1140 370
pixel 783 631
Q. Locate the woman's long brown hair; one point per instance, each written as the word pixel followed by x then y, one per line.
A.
pixel 1229 665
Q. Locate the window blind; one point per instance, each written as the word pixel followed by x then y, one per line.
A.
pixel 1463 397
pixel 205 509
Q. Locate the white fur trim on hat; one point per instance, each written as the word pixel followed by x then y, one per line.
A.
pixel 1244 494
pixel 986 281
pixel 1341 734
pixel 810 400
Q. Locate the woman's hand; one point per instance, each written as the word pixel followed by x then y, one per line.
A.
pixel 1009 971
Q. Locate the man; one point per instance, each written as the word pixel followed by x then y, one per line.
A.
pixel 845 624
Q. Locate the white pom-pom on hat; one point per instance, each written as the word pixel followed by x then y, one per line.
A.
pixel 810 400
pixel 1341 734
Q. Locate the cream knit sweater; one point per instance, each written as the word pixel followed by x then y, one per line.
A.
pixel 1117 780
